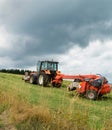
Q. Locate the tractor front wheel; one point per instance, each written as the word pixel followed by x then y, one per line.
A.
pixel 91 94
pixel 57 85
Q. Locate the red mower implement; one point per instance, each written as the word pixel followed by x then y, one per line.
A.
pixel 90 86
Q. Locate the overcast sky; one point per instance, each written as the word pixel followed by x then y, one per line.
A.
pixel 77 33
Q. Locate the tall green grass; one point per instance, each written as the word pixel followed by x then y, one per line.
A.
pixel 32 107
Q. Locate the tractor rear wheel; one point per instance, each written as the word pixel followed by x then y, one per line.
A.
pixel 43 79
pixel 33 79
pixel 91 94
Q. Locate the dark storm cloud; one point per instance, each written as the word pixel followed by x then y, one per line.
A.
pixel 53 26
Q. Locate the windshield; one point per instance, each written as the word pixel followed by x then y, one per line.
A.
pixel 52 66
pixel 49 66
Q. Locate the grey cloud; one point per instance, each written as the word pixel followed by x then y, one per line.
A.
pixel 52 25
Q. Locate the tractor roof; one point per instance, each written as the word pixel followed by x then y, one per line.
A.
pixel 49 61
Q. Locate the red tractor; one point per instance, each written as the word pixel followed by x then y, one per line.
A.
pixel 47 72
pixel 91 86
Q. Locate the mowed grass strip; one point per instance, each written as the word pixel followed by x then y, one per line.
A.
pixel 32 107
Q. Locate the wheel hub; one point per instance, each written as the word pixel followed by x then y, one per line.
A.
pixel 91 95
pixel 41 80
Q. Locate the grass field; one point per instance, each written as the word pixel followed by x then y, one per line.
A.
pixel 24 106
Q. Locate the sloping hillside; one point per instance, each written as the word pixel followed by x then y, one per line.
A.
pixel 30 107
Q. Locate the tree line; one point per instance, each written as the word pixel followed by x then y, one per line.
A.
pixel 14 71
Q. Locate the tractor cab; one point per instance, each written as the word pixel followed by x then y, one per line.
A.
pixel 47 65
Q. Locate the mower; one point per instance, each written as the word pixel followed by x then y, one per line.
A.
pixel 90 86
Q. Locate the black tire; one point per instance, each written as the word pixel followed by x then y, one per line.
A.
pixel 91 94
pixel 33 79
pixel 43 79
pixel 57 85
